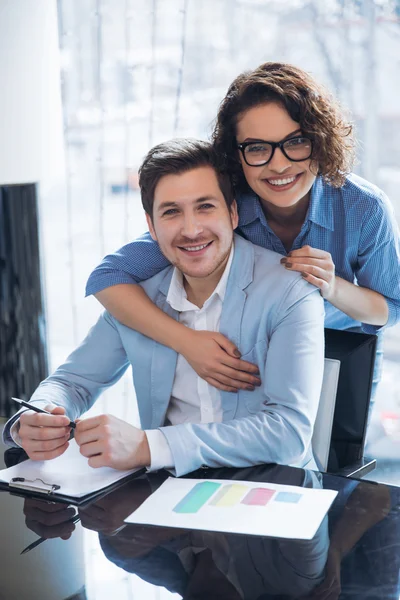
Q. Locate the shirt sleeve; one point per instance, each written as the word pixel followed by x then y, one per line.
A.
pixel 379 258
pixel 160 452
pixel 96 364
pixel 135 262
pixel 292 378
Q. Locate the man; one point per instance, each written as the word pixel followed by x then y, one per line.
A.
pixel 218 281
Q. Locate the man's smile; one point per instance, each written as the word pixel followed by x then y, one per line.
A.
pixel 196 250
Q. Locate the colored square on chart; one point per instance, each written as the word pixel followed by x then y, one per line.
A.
pixel 258 497
pixel 290 497
pixel 229 495
pixel 197 497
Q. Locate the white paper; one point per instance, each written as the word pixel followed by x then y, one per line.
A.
pixel 294 516
pixel 70 471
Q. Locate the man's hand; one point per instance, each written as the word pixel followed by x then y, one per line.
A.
pixel 109 442
pixel 109 513
pixel 44 437
pixel 315 266
pixel 217 360
pixel 49 520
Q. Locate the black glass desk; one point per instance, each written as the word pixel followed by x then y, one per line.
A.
pixel 354 555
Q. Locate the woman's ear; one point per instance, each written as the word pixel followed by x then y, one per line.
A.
pixel 314 168
pixel 151 227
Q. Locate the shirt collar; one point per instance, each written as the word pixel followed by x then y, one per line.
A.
pixel 320 210
pixel 177 297
pixel 249 208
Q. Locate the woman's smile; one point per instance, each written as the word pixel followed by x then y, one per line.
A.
pixel 282 183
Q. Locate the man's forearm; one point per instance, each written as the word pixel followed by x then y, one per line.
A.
pixel 242 442
pixel 359 303
pixel 130 304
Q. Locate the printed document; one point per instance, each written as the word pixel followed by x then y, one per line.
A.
pixel 246 507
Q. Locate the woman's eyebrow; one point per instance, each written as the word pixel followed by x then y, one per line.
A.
pixel 289 135
pixel 292 134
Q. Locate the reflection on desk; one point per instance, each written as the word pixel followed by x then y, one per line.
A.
pixel 354 555
pixel 215 565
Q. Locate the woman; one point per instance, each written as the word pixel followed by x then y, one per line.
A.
pixel 289 152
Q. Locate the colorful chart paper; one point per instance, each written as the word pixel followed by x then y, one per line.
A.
pixel 229 495
pixel 258 497
pixel 237 507
pixel 197 496
pixel 288 497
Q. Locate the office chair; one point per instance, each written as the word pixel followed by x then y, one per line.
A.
pixel 324 421
pixel 340 427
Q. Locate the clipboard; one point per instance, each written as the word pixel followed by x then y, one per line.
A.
pixel 67 478
pixel 49 492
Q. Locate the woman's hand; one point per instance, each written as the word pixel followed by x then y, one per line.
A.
pixel 358 302
pixel 315 266
pixel 217 360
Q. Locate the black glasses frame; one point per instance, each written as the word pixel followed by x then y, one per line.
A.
pixel 242 147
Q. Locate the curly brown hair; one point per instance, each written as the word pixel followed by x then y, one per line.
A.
pixel 320 117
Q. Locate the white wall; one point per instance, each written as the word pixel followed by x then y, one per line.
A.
pixel 31 129
pixel 31 150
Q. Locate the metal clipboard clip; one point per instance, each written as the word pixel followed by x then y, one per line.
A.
pixel 30 485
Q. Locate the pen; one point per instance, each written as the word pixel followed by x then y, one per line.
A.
pixel 36 543
pixel 37 409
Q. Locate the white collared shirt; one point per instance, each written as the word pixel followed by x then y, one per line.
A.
pixel 193 400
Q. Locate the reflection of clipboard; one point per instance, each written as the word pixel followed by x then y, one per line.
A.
pixel 67 478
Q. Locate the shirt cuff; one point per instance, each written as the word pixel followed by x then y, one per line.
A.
pixel 98 283
pixel 393 319
pixel 160 452
pixel 15 435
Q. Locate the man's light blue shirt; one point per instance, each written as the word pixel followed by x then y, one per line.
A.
pixel 355 223
pixel 274 317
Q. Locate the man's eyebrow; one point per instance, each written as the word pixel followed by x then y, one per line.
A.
pixel 171 204
pixel 289 135
pixel 205 199
pixel 165 205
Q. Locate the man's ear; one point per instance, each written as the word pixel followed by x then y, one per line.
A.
pixel 151 227
pixel 234 214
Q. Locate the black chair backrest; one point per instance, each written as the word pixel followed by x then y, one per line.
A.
pixel 356 352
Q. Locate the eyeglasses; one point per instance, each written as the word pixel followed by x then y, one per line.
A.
pixel 258 154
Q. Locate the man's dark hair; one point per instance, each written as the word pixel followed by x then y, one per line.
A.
pixel 175 157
